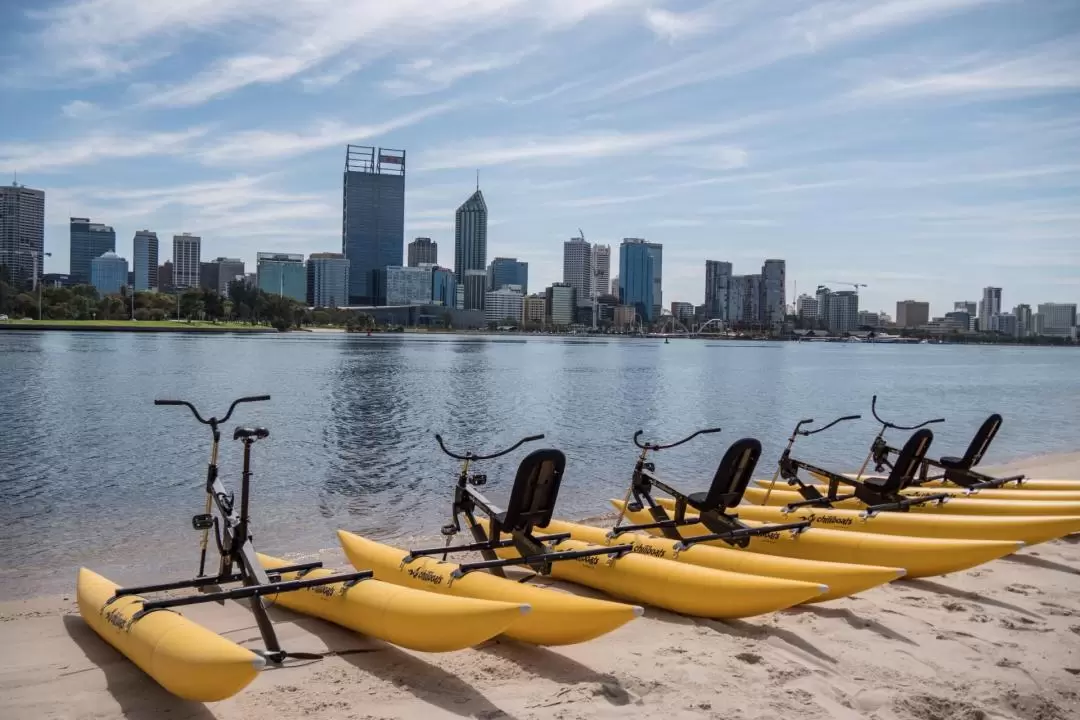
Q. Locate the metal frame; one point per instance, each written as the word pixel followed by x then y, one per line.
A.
pixel 238 560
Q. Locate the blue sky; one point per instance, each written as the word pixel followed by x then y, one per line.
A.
pixel 926 148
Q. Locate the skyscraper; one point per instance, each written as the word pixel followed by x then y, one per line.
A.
pixel 989 306
pixel 636 282
pixel 144 255
pixel 656 250
pixel 422 250
pixel 470 249
pixel 508 271
pixel 22 233
pixel 88 241
pixel 601 269
pixel 577 267
pixel 373 219
pixel 843 311
pixel 717 281
pixel 744 299
pixel 186 250
pixel 912 314
pixel 327 280
pixel 282 274
pixel 773 293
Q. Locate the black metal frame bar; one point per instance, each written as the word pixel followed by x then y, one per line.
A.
pixel 238 559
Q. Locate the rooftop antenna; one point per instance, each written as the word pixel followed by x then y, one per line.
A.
pixel 477 179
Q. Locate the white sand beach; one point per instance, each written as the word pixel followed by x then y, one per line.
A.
pixel 1001 641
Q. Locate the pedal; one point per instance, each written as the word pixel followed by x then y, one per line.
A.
pixel 478 479
pixel 449 530
pixel 203 521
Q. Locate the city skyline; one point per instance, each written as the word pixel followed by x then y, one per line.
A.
pixel 756 131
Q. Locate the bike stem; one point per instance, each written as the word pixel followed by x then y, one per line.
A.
pixel 211 476
pixel 776 475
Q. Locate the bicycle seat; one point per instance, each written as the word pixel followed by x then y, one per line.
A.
pixel 256 433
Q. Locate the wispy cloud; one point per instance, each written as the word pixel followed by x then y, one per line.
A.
pixel 674 26
pixel 428 75
pixel 70 153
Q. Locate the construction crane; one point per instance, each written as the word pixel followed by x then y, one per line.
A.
pixel 840 282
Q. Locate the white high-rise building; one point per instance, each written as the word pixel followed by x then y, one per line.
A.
pixel 577 267
pixel 601 269
pixel 1058 319
pixel 806 306
pixel 1024 326
pixel 989 306
pixel 843 311
pixel 408 285
pixel 145 260
pixel 503 305
pixel 22 234
pixel 186 253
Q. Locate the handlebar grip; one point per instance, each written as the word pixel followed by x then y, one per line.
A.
pixel 807 421
pixel 168 402
pixel 533 438
pixel 850 417
pixel 253 398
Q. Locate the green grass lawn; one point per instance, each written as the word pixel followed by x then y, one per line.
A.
pixel 174 325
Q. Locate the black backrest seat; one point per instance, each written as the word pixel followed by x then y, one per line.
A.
pixel 536 487
pixel 733 474
pixel 981 442
pixel 907 462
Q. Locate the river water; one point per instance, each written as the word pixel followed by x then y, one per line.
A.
pixel 93 473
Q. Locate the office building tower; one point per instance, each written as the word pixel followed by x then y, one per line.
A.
pixel 968 306
pixel 504 306
pixel 1023 320
pixel 601 269
pixel 186 252
pixel 459 295
pixel 1004 323
pixel 989 306
pixel 656 252
pixel 636 282
pixel 577 267
pixel 282 274
pixel 869 319
pixel 717 282
pixel 532 309
pixel 744 299
pixel 444 287
pixel 470 248
pixel 408 286
pixel 22 235
pixel 373 219
pixel 475 285
pixel 912 314
pixel 773 293
pixel 208 276
pixel 228 270
pixel 561 304
pixel 165 281
pixel 822 294
pixel 843 311
pixel 683 312
pixel 327 280
pixel 508 271
pixel 108 273
pixel 806 307
pixel 1057 319
pixel 88 241
pixel 144 255
pixel 615 286
pixel 423 252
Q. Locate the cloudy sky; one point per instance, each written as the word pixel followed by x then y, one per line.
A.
pixel 926 148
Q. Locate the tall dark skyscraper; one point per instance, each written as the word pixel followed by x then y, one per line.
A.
pixel 470 249
pixel 637 276
pixel 717 285
pixel 144 255
pixel 422 250
pixel 22 233
pixel 373 219
pixel 88 241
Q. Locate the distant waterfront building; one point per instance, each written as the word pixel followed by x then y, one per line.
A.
pixel 870 319
pixel 843 308
pixel 615 286
pixel 508 271
pixel 822 295
pixel 88 241
pixel 108 273
pixel 459 295
pixel 373 219
pixel 423 252
pixel 912 313
pixel 656 252
pixel 165 274
pixel 601 269
pixel 1058 319
pixel 470 248
pixel 1023 320
pixel 144 256
pixel 561 304
pixel 282 274
pixel 577 267
pixel 773 302
pixel 744 299
pixel 989 306
pixel 1004 323
pixel 444 287
pixel 683 312
pixel 958 320
pixel 636 283
pixel 408 286
pixel 717 285
pixel 968 306
pixel 504 304
pixel 806 307
pixel 532 309
pixel 22 234
pixel 186 252
pixel 625 317
pixel 327 280
pixel 228 270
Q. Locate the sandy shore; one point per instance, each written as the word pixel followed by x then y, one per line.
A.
pixel 1000 641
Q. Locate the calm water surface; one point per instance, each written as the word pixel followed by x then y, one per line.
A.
pixel 92 473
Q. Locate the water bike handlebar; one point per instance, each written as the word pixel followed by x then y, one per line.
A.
pixel 822 429
pixel 469 455
pixel 213 420
pixel 873 409
pixel 657 446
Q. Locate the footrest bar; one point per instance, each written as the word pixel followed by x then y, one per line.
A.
pixel 487 545
pixel 745 533
pixel 257 590
pixel 543 558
